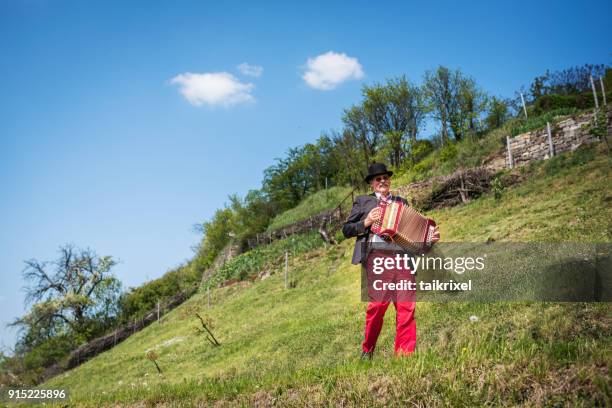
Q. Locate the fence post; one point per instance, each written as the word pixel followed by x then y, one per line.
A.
pixel 603 91
pixel 524 107
pixel 510 160
pixel 158 311
pixel 594 92
pixel 551 148
pixel 286 268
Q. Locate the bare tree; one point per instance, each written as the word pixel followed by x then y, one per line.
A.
pixel 75 292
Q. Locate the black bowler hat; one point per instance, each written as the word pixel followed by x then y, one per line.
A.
pixel 376 169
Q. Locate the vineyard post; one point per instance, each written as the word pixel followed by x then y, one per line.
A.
pixel 286 268
pixel 594 92
pixel 524 107
pixel 510 160
pixel 551 148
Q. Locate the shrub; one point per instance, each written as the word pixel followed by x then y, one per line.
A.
pixel 448 152
pixel 421 149
pixel 552 102
pixel 138 301
pixel 422 170
pixel 497 187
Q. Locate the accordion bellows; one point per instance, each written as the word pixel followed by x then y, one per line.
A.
pixel 404 225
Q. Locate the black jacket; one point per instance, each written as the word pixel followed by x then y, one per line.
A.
pixel 354 226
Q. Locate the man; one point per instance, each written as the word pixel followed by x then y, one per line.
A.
pixel 364 213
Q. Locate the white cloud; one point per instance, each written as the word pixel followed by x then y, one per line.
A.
pixel 213 88
pixel 327 70
pixel 251 70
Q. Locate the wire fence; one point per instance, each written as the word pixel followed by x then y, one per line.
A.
pixel 110 340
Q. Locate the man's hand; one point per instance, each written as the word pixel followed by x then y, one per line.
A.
pixel 373 215
pixel 436 235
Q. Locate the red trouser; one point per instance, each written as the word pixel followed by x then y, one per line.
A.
pixel 405 337
pixel 405 324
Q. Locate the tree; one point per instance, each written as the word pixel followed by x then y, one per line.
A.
pixel 303 171
pixel 472 103
pixel 441 93
pixel 498 113
pixel 350 159
pixel 568 81
pixel 76 294
pixel 455 100
pixel 357 131
pixel 216 237
pixel 396 112
pixel 251 215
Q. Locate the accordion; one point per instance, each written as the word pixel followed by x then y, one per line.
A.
pixel 404 226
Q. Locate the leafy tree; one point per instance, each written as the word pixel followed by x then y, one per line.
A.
pixel 472 103
pixel 351 160
pixel 441 91
pixel 251 215
pixel 358 133
pixel 216 237
pixel 570 81
pixel 303 171
pixel 498 114
pixel 395 111
pixel 142 299
pixel 455 100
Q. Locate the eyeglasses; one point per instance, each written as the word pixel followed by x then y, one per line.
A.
pixel 381 178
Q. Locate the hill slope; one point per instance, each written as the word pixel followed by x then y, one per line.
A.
pixel 298 346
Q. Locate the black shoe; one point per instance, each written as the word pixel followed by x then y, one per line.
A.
pixel 367 355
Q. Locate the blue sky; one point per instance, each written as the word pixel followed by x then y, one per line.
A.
pixel 101 148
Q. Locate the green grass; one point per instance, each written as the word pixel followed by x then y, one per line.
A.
pixel 300 346
pixel 567 198
pixel 312 205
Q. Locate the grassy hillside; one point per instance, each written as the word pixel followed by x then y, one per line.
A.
pixel 312 205
pixel 299 346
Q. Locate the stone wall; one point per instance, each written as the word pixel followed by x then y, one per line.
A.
pixel 229 252
pixel 567 135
